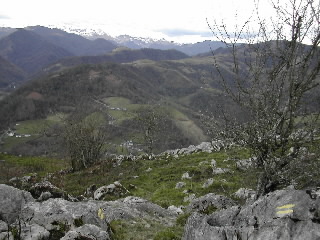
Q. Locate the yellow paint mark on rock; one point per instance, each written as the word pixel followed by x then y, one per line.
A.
pixel 286 206
pixel 100 214
pixel 285 211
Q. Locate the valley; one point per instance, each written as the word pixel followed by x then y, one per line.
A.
pixel 132 138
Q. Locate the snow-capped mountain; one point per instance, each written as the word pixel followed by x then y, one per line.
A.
pixel 142 42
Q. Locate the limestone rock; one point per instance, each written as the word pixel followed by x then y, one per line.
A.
pixel 210 200
pixel 12 200
pixel 208 183
pixel 39 219
pixel 90 191
pixel 189 198
pixel 180 185
pixel 87 231
pixel 37 189
pixel 44 196
pixel 186 176
pixel 217 171
pixel 34 232
pixel 3 226
pixel 244 164
pixel 213 164
pixel 284 214
pixel 244 193
pixel 115 189
pixel 176 210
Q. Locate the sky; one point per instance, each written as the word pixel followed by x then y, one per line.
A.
pixel 181 21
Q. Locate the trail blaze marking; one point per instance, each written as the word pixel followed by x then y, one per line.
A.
pixel 100 214
pixel 286 206
pixel 285 209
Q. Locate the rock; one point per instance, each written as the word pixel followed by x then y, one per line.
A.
pixel 52 213
pixel 87 231
pixel 90 191
pixel 12 200
pixel 37 189
pixel 244 164
pixel 149 169
pixel 34 232
pixel 180 185
pixel 244 193
pixel 186 176
pixel 314 193
pixel 213 164
pixel 186 191
pixel 115 189
pixel 205 147
pixel 24 182
pixel 283 214
pixel 6 236
pixel 176 210
pixel 3 226
pixel 44 196
pixel 217 171
pixel 208 183
pixel 189 198
pixel 201 204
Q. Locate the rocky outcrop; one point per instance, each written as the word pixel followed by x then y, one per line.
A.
pixel 210 201
pixel 115 189
pixel 202 147
pixel 284 214
pixel 72 220
pixel 87 231
pixel 12 201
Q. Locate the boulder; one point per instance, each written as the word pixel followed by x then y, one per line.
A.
pixel 37 189
pixel 283 214
pixel 12 200
pixel 73 220
pixel 205 147
pixel 176 210
pixel 115 189
pixel 44 196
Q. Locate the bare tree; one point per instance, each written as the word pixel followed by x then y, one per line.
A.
pixel 270 79
pixel 152 122
pixel 85 135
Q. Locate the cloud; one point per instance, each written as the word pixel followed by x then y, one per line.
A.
pixel 184 32
pixel 2 16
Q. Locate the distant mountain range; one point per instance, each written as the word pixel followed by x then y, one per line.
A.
pixel 31 50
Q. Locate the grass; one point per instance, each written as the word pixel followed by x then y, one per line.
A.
pixel 154 180
pixel 35 128
pixel 15 166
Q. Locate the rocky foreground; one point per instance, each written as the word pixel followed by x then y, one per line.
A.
pixel 283 214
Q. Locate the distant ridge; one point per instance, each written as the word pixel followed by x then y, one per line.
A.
pixel 30 51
